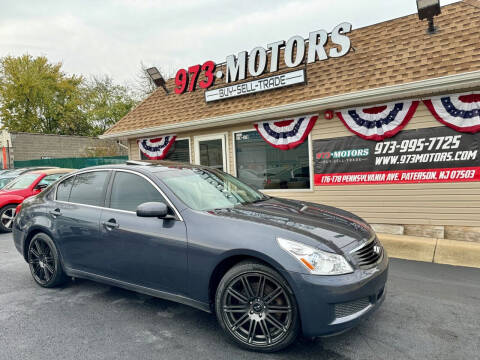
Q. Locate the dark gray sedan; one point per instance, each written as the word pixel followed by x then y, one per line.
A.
pixel 269 268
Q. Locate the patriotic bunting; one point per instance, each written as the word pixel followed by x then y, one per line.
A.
pixel 286 134
pixel 156 148
pixel 379 122
pixel 458 111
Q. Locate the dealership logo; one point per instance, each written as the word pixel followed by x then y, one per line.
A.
pixel 297 50
pixel 294 54
pixel 343 154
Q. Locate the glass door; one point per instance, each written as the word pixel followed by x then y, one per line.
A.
pixel 210 151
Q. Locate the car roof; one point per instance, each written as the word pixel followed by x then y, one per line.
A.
pixel 52 171
pixel 152 166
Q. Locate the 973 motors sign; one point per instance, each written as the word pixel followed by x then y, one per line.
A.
pixel 297 50
pixel 437 154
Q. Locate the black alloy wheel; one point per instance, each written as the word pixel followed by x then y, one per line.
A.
pixel 256 308
pixel 44 261
pixel 7 215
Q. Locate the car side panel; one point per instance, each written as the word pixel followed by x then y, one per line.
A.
pixel 32 218
pixel 212 240
pixel 77 230
pixel 149 252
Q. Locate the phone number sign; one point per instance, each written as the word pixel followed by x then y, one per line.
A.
pixel 437 154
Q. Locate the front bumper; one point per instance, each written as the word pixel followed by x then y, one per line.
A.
pixel 333 304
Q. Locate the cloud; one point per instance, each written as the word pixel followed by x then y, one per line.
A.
pixel 113 36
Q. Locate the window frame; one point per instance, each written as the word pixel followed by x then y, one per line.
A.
pixel 177 139
pixel 80 173
pixel 310 163
pixel 108 195
pixel 56 188
pixel 108 191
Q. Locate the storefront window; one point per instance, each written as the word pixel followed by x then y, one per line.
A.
pixel 265 167
pixel 180 151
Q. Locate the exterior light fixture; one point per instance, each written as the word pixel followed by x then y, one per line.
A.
pixel 427 9
pixel 329 114
pixel 157 78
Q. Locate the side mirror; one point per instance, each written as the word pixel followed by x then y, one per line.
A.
pixel 152 209
pixel 41 186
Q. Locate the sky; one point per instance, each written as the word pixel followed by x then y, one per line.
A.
pixel 112 37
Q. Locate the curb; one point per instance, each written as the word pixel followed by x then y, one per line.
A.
pixel 439 251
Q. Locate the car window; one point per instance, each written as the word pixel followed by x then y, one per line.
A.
pixel 88 188
pixel 63 189
pixel 22 182
pixel 130 190
pixel 5 181
pixel 49 179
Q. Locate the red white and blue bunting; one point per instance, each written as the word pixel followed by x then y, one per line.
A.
pixel 458 111
pixel 379 122
pixel 286 134
pixel 156 148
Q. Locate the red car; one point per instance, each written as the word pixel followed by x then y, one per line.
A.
pixel 24 186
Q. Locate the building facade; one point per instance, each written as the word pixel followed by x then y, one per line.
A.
pixel 359 119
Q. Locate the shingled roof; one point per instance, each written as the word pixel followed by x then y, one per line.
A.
pixel 388 53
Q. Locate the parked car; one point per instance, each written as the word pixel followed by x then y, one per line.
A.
pixel 252 178
pixel 269 268
pixel 24 186
pixel 5 179
pixel 8 175
pixel 290 178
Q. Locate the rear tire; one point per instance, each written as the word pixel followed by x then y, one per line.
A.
pixel 44 261
pixel 256 308
pixel 7 216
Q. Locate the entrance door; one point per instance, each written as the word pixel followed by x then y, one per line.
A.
pixel 211 151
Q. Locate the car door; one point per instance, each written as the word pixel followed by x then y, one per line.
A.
pixel 149 252
pixel 75 215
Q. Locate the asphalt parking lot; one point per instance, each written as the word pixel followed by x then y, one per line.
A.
pixel 431 312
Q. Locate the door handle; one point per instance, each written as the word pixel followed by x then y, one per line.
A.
pixel 110 224
pixel 55 213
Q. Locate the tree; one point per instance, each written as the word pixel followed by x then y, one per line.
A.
pixel 105 103
pixel 36 96
pixel 145 85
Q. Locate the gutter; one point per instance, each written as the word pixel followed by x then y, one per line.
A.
pixel 381 94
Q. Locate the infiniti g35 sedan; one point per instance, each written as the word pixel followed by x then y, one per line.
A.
pixel 269 268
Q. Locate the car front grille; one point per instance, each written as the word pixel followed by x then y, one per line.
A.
pixel 351 307
pixel 369 254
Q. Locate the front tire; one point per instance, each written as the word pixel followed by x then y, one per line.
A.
pixel 44 261
pixel 7 216
pixel 256 308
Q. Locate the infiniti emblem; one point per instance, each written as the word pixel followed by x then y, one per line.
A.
pixel 377 249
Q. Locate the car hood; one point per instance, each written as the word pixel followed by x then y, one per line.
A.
pixel 20 192
pixel 325 224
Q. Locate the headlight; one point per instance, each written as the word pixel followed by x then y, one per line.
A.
pixel 317 261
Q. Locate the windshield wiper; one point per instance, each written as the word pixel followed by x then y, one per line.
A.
pixel 255 201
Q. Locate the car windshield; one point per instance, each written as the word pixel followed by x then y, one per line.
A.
pixel 208 189
pixel 22 182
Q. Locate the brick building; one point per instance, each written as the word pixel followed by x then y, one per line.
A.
pixel 20 146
